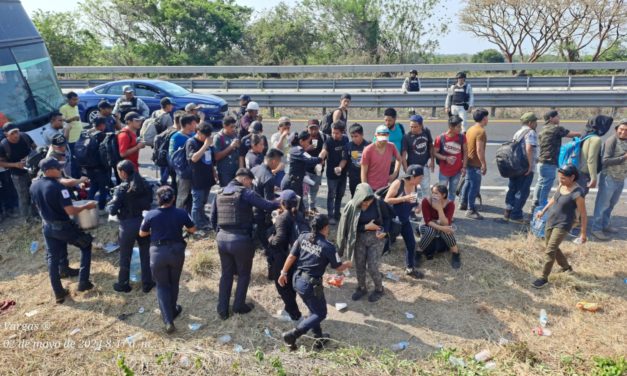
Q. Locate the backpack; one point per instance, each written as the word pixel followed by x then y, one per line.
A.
pixel 570 153
pixel 151 128
pixel 7 148
pixel 443 141
pixel 109 150
pixel 86 149
pixel 327 121
pixel 181 164
pixel 33 159
pixel 511 159
pixel 161 148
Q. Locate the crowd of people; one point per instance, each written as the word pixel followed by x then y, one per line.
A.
pixel 268 193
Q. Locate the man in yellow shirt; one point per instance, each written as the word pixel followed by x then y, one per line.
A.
pixel 74 127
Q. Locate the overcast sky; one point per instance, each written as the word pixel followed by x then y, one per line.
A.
pixel 455 42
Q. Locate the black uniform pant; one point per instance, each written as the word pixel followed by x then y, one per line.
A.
pixel 129 233
pixel 287 292
pixel 236 257
pixel 166 263
pixel 57 236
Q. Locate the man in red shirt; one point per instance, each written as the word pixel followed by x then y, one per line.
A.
pixel 127 138
pixel 377 158
pixel 451 154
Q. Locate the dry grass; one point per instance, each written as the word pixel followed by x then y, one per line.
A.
pixel 467 310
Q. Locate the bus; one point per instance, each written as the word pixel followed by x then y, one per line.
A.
pixel 29 90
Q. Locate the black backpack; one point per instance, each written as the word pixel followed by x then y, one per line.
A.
pixel 86 149
pixel 327 121
pixel 162 148
pixel 510 158
pixel 109 150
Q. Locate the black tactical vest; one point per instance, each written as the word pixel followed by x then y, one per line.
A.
pixel 233 213
pixel 414 84
pixel 460 96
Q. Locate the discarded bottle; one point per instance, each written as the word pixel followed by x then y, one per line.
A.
pixel 409 315
pixel 267 333
pixel 238 349
pixel 578 241
pixel 540 331
pixel 135 265
pixel 194 326
pixel 544 319
pixel 483 356
pixel 224 339
pixel 400 346
pixel 130 340
pixel 587 306
pixel 34 246
pixel 392 276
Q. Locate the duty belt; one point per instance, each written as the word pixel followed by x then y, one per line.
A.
pixel 166 242
pixel 56 223
pixel 309 278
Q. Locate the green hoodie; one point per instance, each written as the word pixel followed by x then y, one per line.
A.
pixel 347 229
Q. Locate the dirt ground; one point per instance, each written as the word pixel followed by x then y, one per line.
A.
pixel 487 304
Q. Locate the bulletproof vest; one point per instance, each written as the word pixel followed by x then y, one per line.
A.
pixel 135 202
pixel 233 213
pixel 414 84
pixel 127 106
pixel 460 96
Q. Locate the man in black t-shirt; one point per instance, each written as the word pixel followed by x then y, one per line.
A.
pixel 204 176
pixel 315 148
pixel 333 152
pixel 417 149
pixel 352 155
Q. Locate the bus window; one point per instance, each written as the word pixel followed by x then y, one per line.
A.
pixel 14 101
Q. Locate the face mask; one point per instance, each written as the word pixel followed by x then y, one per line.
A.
pixel 382 138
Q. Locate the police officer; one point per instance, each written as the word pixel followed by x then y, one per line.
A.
pixel 128 102
pixel 167 251
pixel 460 99
pixel 232 217
pixel 55 208
pixel 130 199
pixel 311 253
pixel 411 83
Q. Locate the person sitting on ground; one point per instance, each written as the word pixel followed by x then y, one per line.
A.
pixel 361 233
pixel 437 212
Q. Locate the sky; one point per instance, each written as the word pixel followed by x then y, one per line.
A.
pixel 455 42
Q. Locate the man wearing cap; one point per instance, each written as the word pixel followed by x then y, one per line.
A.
pixel 128 102
pixel 451 153
pixel 127 138
pixel 200 154
pixel 317 143
pixel 549 143
pixel 376 160
pixel 232 217
pixel 55 206
pixel 53 128
pixel 611 182
pixel 226 146
pixel 74 127
pixel 460 99
pixel 14 149
pixel 189 123
pixel 59 151
pixel 244 99
pixel 252 114
pixel 417 149
pixel 112 123
pixel 255 128
pixel 520 186
pixel 411 83
pixel 194 109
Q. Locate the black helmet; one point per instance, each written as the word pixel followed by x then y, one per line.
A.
pixel 460 75
pixel 413 71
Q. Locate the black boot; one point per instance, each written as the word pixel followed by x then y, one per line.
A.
pixel 291 337
pixel 321 340
pixel 68 272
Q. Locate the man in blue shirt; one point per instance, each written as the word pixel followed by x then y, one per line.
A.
pixel 184 183
pixel 226 146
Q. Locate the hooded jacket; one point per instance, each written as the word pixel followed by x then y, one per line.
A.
pixel 596 127
pixel 347 228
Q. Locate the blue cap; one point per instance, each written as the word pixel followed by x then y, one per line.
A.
pixel 288 195
pixel 382 129
pixel 416 118
pixel 49 163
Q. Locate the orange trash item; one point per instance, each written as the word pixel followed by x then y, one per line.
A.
pixel 590 307
pixel 335 280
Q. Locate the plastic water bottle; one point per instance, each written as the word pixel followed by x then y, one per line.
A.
pixel 400 346
pixel 544 319
pixel 135 266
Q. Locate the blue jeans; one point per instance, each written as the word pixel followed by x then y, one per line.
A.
pixel 471 188
pixel 75 168
pixel 336 190
pixel 546 177
pixel 317 306
pixel 517 195
pixel 164 173
pixel 607 197
pixel 99 181
pixel 199 200
pixel 451 182
pixel 313 190
pixel 407 231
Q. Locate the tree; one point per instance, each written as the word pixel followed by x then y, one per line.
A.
pixel 488 56
pixel 67 42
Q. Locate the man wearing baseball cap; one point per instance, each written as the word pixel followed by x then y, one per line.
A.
pixel 127 138
pixel 549 144
pixel 520 186
pixel 252 114
pixel 411 83
pixel 128 102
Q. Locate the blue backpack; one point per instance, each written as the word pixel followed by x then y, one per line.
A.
pixel 180 164
pixel 570 153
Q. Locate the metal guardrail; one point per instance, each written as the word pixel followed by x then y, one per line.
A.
pixel 528 82
pixel 615 65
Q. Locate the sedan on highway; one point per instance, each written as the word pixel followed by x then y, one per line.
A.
pixel 151 92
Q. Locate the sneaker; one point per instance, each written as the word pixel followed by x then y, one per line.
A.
pixel 321 341
pixel 358 294
pixel 147 287
pixel 473 214
pixel 414 273
pixel 611 230
pixel 456 261
pixel 85 286
pixel 177 311
pixel 463 207
pixel 169 328
pixel 223 315
pixel 568 270
pixel 506 214
pixel 290 338
pixel 122 287
pixel 61 298
pixel 375 296
pixel 600 235
pixel 69 272
pixel 539 283
pixel 246 308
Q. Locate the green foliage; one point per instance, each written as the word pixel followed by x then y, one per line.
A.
pixel 488 56
pixel 123 367
pixel 609 366
pixel 278 366
pixel 259 355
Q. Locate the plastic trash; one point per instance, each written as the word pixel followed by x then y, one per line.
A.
pixel 347 273
pixel 544 319
pixel 31 313
pixel 34 246
pixel 490 365
pixel 540 331
pixel 283 316
pixel 503 341
pixel 224 339
pixel 578 241
pixel 400 346
pixel 409 315
pixel 74 331
pixel 483 356
pixel 113 218
pixel 194 326
pixel 135 265
pixel 267 333
pixel 341 306
pixel 110 247
pixel 458 362
pixel 392 277
pixel 335 280
pixel 141 310
pixel 587 306
pixel 134 338
pixel 185 362
pixel 239 349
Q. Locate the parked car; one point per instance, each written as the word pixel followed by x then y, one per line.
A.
pixel 151 92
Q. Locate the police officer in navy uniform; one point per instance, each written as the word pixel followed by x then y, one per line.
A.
pixel 232 217
pixel 411 83
pixel 130 199
pixel 55 207
pixel 311 253
pixel 167 251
